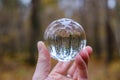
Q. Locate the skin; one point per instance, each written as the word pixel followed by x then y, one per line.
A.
pixel 63 70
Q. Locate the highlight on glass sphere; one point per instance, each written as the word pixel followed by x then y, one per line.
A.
pixel 64 39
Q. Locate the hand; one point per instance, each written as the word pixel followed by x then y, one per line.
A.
pixel 62 71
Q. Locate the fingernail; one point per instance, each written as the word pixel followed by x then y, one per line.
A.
pixel 39 45
pixel 89 49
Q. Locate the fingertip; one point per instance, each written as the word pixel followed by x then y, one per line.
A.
pixel 89 50
pixel 42 49
pixel 39 43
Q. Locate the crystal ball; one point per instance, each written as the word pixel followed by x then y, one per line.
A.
pixel 64 39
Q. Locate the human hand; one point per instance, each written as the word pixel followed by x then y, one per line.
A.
pixel 62 71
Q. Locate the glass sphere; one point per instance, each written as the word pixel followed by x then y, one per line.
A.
pixel 64 39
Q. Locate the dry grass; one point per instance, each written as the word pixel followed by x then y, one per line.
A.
pixel 99 70
pixel 12 69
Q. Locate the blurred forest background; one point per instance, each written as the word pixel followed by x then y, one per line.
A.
pixel 23 22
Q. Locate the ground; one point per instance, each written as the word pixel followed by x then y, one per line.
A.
pixel 17 69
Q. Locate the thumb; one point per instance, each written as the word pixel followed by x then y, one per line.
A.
pixel 43 63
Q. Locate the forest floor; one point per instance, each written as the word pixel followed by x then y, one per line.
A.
pixel 16 69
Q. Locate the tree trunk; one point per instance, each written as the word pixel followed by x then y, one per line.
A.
pixel 96 10
pixel 35 34
pixel 110 37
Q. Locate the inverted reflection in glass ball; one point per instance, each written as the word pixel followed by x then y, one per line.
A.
pixel 64 39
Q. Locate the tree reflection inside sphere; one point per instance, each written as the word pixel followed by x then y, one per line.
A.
pixel 64 39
